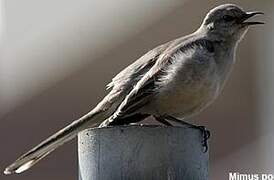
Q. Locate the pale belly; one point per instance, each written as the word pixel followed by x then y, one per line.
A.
pixel 184 101
pixel 189 88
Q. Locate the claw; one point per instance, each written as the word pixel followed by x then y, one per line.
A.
pixel 205 132
pixel 206 136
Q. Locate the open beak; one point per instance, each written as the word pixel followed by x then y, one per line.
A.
pixel 248 15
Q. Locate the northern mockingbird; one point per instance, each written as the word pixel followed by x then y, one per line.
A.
pixel 173 81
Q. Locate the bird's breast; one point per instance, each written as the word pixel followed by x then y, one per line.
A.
pixel 183 102
pixel 189 92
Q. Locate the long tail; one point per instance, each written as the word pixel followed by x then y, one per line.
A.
pixel 64 135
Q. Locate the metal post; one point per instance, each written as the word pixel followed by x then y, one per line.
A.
pixel 142 153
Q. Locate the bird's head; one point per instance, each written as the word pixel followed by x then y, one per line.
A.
pixel 228 21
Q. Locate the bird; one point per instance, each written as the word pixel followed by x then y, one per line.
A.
pixel 172 82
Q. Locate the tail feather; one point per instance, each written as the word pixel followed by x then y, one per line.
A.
pixel 66 134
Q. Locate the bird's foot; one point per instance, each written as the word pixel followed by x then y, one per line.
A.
pixel 205 132
pixel 206 136
pixel 162 120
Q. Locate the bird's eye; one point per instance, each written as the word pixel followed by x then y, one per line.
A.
pixel 228 18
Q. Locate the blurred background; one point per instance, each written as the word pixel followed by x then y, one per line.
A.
pixel 57 56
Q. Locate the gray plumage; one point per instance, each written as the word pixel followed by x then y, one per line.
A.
pixel 179 78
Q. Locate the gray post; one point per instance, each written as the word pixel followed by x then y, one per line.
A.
pixel 142 153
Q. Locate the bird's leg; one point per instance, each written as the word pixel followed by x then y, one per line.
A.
pixel 205 132
pixel 162 120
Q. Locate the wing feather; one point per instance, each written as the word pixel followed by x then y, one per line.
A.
pixel 147 86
